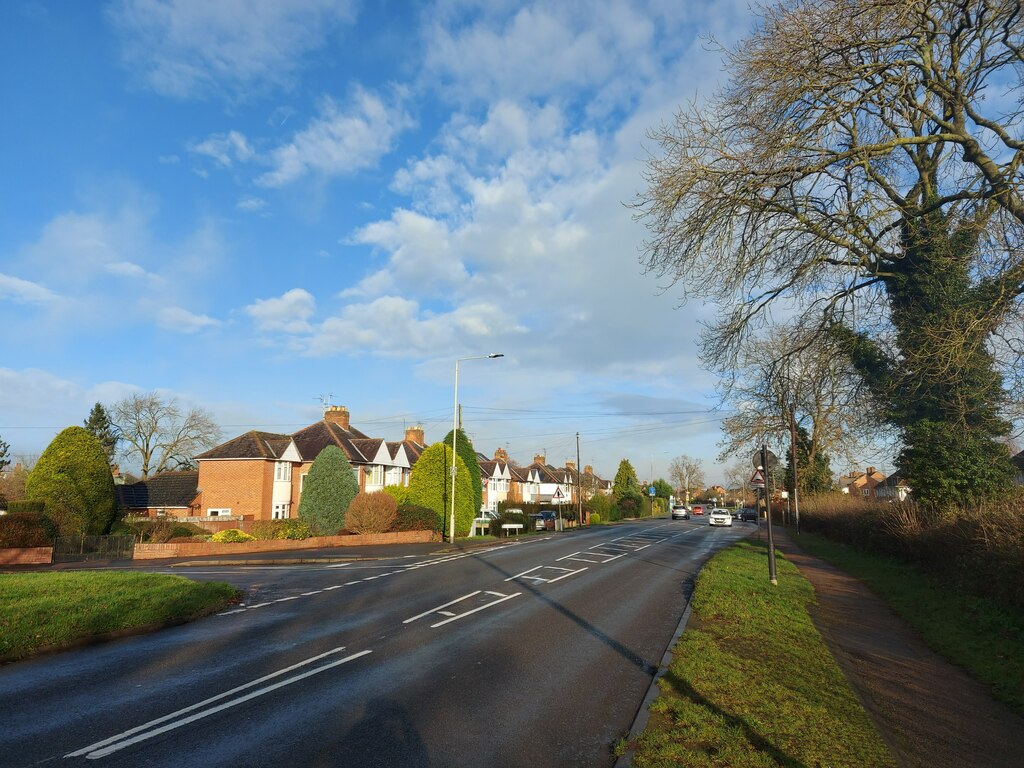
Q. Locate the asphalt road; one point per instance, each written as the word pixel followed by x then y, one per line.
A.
pixel 536 653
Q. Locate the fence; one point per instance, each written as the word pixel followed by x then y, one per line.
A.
pixel 71 549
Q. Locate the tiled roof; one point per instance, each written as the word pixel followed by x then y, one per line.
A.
pixel 317 436
pixel 169 489
pixel 251 445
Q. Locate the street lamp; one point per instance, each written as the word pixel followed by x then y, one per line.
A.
pixel 455 431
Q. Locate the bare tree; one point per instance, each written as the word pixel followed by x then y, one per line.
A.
pixel 800 372
pixel 159 435
pixel 687 475
pixel 863 171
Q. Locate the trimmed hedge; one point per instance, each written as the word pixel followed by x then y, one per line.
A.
pixel 411 517
pixel 269 530
pixel 30 506
pixel 25 529
pixel 371 513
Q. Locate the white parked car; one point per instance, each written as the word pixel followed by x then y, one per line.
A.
pixel 719 516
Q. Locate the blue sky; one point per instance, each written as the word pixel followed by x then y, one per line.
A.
pixel 252 206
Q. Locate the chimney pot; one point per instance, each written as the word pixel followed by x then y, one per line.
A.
pixel 337 414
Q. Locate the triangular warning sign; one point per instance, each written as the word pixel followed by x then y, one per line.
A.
pixel 758 479
pixel 557 494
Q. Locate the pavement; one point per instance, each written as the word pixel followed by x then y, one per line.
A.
pixel 929 711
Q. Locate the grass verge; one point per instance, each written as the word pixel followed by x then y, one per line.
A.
pixel 47 611
pixel 984 637
pixel 752 682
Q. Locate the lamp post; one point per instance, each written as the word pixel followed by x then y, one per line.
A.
pixel 455 431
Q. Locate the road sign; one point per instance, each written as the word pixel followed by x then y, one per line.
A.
pixel 757 481
pixel 651 491
pixel 773 460
pixel 557 496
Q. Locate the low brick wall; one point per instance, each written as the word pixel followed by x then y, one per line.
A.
pixel 27 556
pixel 206 548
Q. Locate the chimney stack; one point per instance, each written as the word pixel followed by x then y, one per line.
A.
pixel 571 465
pixel 501 455
pixel 588 470
pixel 538 458
pixel 415 435
pixel 871 470
pixel 337 414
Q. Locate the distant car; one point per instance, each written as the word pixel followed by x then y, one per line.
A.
pixel 748 515
pixel 544 520
pixel 719 516
pixel 697 510
pixel 680 512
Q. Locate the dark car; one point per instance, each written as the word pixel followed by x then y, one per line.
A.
pixel 748 515
pixel 544 520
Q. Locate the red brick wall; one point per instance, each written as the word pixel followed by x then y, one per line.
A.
pixel 26 556
pixel 200 548
pixel 243 486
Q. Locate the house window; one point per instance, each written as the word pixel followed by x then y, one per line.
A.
pixel 864 492
pixel 302 481
pixel 395 476
pixel 281 511
pixel 377 475
pixel 218 512
pixel 282 471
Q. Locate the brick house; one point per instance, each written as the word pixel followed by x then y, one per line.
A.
pixel 863 484
pixel 169 494
pixel 259 475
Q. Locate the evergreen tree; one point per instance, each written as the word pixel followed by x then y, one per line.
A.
pixel 72 478
pixel 327 491
pixel 100 426
pixel 430 487
pixel 465 450
pixel 815 473
pixel 4 455
pixel 662 489
pixel 625 481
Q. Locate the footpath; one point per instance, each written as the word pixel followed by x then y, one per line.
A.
pixel 928 710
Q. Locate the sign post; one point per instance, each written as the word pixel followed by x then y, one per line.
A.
pixel 765 453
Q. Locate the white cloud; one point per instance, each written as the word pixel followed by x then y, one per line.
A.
pixel 125 269
pixel 224 148
pixel 192 48
pixel 289 313
pixel 183 321
pixel 251 204
pixel 24 291
pixel 340 141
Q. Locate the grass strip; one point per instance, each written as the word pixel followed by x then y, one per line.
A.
pixel 752 683
pixel 54 610
pixel 982 636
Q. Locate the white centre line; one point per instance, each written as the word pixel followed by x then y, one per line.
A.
pixel 148 731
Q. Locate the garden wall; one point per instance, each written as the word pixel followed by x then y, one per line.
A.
pixel 205 548
pixel 26 556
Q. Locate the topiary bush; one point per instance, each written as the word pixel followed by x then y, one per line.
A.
pixel 329 488
pixel 72 478
pixel 371 513
pixel 231 536
pixel 595 518
pixel 430 486
pixel 25 529
pixel 410 517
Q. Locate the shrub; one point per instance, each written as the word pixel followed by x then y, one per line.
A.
pixel 230 536
pixel 400 492
pixel 25 529
pixel 371 513
pixel 506 516
pixel 72 477
pixel 411 517
pixel 595 518
pixel 630 503
pixel 604 506
pixel 329 488
pixel 269 530
pixel 26 505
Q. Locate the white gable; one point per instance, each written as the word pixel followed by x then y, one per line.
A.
pixel 291 453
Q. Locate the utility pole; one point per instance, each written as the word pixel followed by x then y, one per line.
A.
pixel 796 476
pixel 768 508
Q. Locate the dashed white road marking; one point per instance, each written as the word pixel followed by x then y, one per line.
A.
pixel 453 616
pixel 534 576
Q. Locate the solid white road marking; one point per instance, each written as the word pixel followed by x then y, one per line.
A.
pixel 491 604
pixel 566 572
pixel 438 608
pixel 148 731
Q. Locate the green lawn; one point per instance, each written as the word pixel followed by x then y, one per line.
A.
pixel 984 637
pixel 752 683
pixel 54 610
